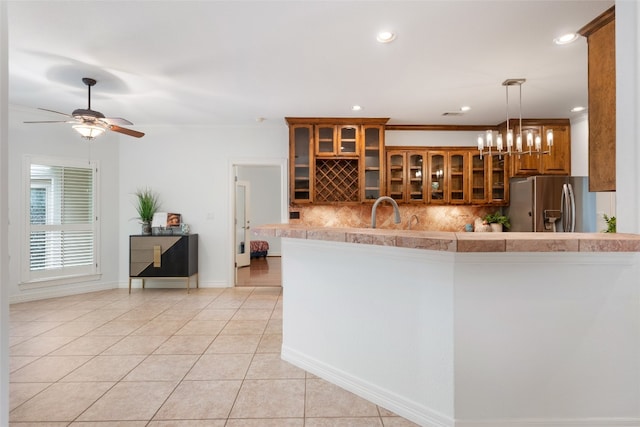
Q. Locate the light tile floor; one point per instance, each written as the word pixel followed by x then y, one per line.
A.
pixel 160 357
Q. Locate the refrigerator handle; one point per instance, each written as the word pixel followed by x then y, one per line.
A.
pixel 565 208
pixel 568 206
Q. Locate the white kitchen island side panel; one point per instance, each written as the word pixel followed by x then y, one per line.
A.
pixel 547 337
pixel 375 320
pixel 469 339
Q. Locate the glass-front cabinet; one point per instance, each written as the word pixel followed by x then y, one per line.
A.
pixel 448 175
pixel 337 140
pixel 479 189
pixel 372 158
pixel 301 161
pixel 457 192
pixel 489 180
pixel 336 160
pixel 405 175
pixel 437 170
pixel 498 181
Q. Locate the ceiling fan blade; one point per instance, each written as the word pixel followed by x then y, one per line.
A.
pixel 126 131
pixel 116 121
pixel 46 121
pixel 54 111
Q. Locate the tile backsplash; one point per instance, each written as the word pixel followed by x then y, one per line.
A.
pixel 415 217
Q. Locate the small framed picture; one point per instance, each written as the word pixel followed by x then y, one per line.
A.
pixel 174 220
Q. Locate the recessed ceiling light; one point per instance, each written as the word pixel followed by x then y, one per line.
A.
pixel 465 108
pixel 386 36
pixel 356 108
pixel 566 39
pixel 577 109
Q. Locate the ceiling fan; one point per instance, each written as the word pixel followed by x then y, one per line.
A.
pixel 90 123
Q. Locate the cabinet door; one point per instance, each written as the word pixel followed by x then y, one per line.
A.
pixel 456 187
pixel 347 143
pixel 301 161
pixel 339 140
pixel 396 186
pixel 437 169
pixel 479 179
pixel 527 164
pixel 415 177
pixel 498 181
pixel 326 138
pixel 373 176
pixel 558 161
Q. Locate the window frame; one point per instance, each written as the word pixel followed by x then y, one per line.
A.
pixel 41 278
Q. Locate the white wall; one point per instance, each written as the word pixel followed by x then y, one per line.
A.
pixel 413 138
pixel 189 169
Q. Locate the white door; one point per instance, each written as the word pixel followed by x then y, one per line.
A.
pixel 242 233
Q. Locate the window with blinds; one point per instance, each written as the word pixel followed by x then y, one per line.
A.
pixel 62 220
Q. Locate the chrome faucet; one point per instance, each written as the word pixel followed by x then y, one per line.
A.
pixel 396 210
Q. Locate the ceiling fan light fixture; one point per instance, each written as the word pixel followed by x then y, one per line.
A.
pixel 89 131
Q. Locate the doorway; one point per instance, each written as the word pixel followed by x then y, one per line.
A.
pixel 259 197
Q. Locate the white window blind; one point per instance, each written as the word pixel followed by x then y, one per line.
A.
pixel 62 220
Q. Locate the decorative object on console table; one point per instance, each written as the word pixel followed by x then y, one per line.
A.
pixel 163 257
pixel 146 207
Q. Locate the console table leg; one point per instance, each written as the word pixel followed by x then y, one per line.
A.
pixel 129 285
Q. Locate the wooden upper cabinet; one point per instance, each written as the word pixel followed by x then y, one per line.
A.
pixel 601 42
pixel 448 177
pixel 558 159
pixel 337 140
pixel 335 160
pixel 301 163
pixel 489 182
pixel 406 175
pixel 457 177
pixel 372 161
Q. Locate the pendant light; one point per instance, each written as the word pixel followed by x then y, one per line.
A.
pixel 533 143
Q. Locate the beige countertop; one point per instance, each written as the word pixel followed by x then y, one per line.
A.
pixel 461 242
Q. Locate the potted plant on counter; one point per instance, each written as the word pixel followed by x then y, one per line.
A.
pixel 497 221
pixel 148 205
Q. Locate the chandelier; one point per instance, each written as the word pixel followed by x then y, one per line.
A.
pixel 533 142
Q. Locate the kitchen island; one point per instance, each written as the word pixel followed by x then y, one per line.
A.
pixel 468 329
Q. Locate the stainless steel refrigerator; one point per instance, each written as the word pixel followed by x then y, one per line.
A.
pixel 551 204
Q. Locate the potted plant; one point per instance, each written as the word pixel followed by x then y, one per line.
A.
pixel 611 223
pixel 497 221
pixel 147 205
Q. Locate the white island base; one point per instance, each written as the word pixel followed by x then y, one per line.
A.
pixel 469 339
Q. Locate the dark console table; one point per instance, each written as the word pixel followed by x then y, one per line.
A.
pixel 163 257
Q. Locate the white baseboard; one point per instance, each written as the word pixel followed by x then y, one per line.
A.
pixel 425 416
pixel 60 291
pixel 568 422
pixel 405 408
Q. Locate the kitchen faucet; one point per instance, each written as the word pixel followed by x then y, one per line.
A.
pixel 396 210
pixel 411 220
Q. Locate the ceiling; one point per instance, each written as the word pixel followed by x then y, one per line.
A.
pixel 193 63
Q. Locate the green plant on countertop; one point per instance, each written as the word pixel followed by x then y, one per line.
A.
pixel 497 218
pixel 611 223
pixel 148 204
